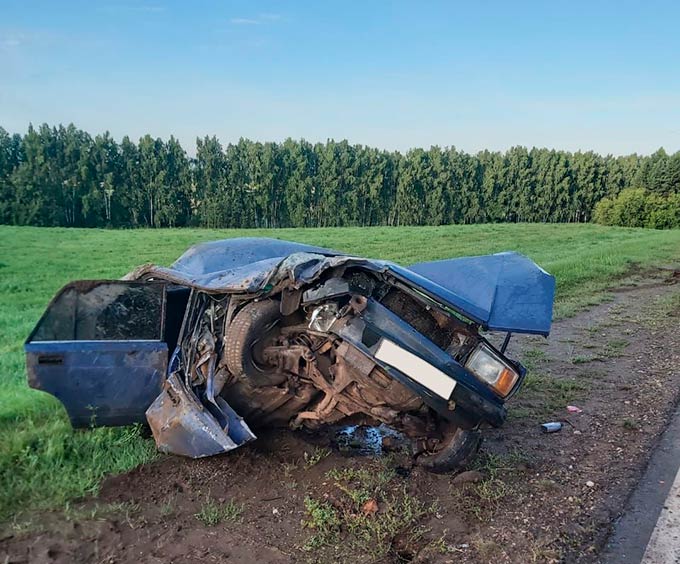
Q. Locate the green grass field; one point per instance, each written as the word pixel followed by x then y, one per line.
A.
pixel 43 463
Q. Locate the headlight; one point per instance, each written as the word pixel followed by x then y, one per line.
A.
pixel 486 365
pixel 323 317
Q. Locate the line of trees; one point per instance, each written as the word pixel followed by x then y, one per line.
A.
pixel 62 176
pixel 635 207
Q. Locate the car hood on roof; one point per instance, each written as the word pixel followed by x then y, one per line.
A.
pixel 502 292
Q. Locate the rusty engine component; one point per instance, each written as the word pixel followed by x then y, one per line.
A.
pixel 274 373
pixel 278 365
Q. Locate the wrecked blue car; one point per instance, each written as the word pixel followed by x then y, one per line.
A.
pixel 242 334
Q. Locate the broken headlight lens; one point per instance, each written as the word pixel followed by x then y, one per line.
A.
pixel 323 317
pixel 485 364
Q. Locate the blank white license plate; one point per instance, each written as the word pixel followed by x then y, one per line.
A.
pixel 415 368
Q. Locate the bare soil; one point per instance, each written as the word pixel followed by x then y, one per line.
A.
pixel 529 497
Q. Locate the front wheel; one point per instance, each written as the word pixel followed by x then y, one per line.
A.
pixel 454 453
pixel 252 328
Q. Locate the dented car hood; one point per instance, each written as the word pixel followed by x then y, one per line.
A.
pixel 502 292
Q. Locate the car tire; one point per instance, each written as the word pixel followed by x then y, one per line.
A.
pixel 458 450
pixel 248 328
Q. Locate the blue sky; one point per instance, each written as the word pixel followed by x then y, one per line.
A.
pixel 567 75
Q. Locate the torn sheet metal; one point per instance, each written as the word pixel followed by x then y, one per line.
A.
pixel 502 292
pixel 182 425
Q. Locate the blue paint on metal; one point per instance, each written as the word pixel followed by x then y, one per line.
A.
pixel 114 382
pixel 99 382
pixel 475 401
pixel 502 292
pixel 227 254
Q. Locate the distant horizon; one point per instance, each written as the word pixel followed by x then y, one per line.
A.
pixel 190 147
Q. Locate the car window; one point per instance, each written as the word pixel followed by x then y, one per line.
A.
pixel 103 311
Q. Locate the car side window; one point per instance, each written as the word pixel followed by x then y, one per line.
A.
pixel 104 311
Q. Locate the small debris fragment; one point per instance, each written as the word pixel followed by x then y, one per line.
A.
pixel 590 484
pixel 275 511
pixel 469 477
pixel 574 409
pixel 370 507
pixel 551 427
pixel 402 471
pixel 391 442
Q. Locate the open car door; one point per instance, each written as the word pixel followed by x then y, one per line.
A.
pixel 99 348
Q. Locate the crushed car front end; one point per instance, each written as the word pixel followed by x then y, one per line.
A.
pixel 282 334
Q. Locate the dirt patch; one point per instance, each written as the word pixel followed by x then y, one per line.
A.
pixel 531 497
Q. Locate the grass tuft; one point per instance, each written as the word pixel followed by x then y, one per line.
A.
pixel 316 456
pixel 344 514
pixel 325 522
pixel 213 513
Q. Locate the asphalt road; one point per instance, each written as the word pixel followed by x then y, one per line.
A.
pixel 649 530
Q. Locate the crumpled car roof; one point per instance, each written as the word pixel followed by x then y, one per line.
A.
pixel 502 292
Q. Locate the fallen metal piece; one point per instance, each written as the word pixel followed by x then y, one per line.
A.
pixel 182 425
pixel 551 427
